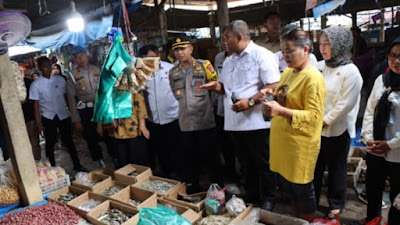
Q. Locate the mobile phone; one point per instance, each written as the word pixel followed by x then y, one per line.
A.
pixel 233 97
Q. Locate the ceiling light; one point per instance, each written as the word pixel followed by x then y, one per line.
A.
pixel 75 21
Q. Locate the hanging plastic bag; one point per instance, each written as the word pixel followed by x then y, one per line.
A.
pixel 110 103
pixel 215 200
pixel 8 185
pixel 235 206
pixel 160 215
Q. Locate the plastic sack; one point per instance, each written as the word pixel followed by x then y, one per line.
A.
pixel 235 206
pixel 327 7
pixel 160 215
pixel 83 178
pixel 251 219
pixel 215 200
pixel 8 185
pixel 89 204
pixel 397 202
pixel 110 103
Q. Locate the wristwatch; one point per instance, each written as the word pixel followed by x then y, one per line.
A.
pixel 251 102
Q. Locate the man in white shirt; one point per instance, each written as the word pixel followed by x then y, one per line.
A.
pixel 249 69
pixel 49 95
pixel 162 108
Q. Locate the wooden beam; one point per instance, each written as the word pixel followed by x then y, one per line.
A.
pixel 18 142
pixel 222 13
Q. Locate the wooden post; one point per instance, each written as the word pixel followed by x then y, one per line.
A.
pixel 354 19
pixel 17 136
pixel 211 20
pixel 323 21
pixel 222 13
pixel 382 30
pixel 163 23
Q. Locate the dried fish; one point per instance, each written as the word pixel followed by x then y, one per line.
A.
pixel 64 198
pixel 133 174
pixel 216 220
pixel 112 190
pixel 134 202
pixel 157 186
pixel 114 217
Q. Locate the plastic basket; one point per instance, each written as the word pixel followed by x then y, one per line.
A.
pixel 50 187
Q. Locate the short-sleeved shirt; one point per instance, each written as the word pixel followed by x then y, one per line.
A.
pixel 245 75
pixel 273 46
pixel 195 108
pixel 130 127
pixel 50 94
pixel 161 101
pixel 82 86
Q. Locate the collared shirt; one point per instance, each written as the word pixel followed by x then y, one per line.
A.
pixel 82 86
pixel 50 94
pixel 273 46
pixel 162 103
pixel 245 75
pixel 218 63
pixel 392 131
pixel 342 99
pixel 195 108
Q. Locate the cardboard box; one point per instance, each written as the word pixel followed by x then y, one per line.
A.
pixel 95 213
pixel 65 190
pixel 74 204
pixel 148 199
pixel 104 171
pixel 122 173
pixel 172 191
pixel 189 214
pixel 278 219
pixel 238 218
pixel 109 185
pixel 181 190
pixel 104 181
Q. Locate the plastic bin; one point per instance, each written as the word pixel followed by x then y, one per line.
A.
pixel 55 185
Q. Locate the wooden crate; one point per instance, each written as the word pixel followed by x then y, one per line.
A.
pixel 104 181
pixel 67 189
pixel 74 204
pixel 143 173
pixel 95 213
pixel 147 198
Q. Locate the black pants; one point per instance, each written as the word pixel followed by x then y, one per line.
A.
pixel 163 145
pixel 333 153
pixel 131 150
pixel 253 153
pixel 225 145
pixel 197 155
pixel 90 133
pixel 50 133
pixel 378 170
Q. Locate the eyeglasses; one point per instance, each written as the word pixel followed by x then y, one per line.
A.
pixel 393 57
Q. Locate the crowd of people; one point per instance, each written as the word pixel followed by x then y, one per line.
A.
pixel 268 103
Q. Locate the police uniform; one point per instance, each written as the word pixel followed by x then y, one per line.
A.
pixel 81 89
pixel 196 117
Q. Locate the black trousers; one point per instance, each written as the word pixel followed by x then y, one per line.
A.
pixel 50 133
pixel 333 153
pixel 90 133
pixel 198 154
pixel 378 170
pixel 253 153
pixel 163 145
pixel 131 150
pixel 225 145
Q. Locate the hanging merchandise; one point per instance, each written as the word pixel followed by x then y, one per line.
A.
pixel 112 104
pixel 327 7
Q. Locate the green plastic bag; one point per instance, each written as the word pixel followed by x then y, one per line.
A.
pixel 110 103
pixel 160 215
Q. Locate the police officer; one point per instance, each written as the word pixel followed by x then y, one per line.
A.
pixel 196 117
pixel 81 89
